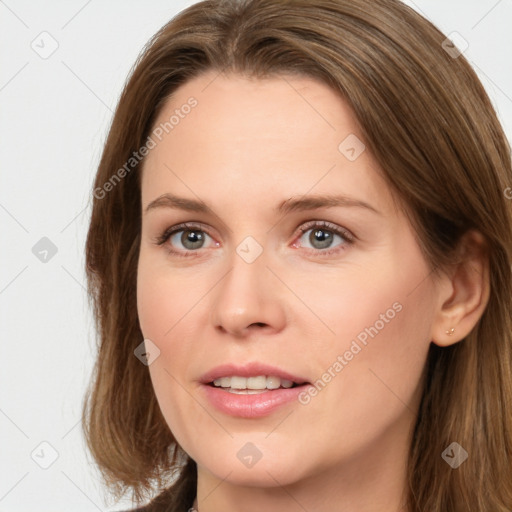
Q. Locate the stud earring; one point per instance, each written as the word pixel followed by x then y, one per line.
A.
pixel 450 332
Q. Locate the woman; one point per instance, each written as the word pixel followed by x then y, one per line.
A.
pixel 299 259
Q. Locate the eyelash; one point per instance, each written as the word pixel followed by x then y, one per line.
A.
pixel 348 237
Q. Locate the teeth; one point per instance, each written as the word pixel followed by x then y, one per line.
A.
pixel 261 382
pixel 255 382
pixel 273 382
pixel 238 383
pixel 225 382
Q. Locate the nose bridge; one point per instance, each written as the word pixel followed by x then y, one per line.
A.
pixel 247 294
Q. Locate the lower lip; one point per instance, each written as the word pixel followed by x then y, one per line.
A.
pixel 251 405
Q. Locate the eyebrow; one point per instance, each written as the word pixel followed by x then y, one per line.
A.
pixel 303 203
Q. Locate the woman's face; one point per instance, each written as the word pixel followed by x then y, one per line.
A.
pixel 347 304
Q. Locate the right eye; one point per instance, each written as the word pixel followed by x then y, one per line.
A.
pixel 191 236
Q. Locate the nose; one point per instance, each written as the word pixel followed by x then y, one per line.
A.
pixel 249 298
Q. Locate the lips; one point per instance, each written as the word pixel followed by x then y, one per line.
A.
pixel 249 403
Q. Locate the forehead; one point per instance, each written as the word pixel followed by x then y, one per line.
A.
pixel 266 138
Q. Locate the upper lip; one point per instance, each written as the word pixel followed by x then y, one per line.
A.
pixel 252 369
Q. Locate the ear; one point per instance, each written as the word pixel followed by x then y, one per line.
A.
pixel 463 292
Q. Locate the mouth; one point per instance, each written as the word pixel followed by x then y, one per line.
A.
pixel 251 389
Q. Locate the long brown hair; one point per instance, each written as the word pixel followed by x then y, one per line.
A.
pixel 428 121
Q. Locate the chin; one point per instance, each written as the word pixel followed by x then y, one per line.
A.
pixel 268 471
pixel 255 478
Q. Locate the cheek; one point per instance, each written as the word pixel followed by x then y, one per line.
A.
pixel 168 304
pixel 152 305
pixel 369 370
pixel 162 313
pixel 159 298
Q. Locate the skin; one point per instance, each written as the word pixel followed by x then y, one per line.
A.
pixel 246 147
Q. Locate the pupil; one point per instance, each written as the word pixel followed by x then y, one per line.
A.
pixel 319 235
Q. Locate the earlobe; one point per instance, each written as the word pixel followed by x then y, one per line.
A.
pixel 463 293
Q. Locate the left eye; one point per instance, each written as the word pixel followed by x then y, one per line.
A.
pixel 322 235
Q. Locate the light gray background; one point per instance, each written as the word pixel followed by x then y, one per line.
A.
pixel 55 113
